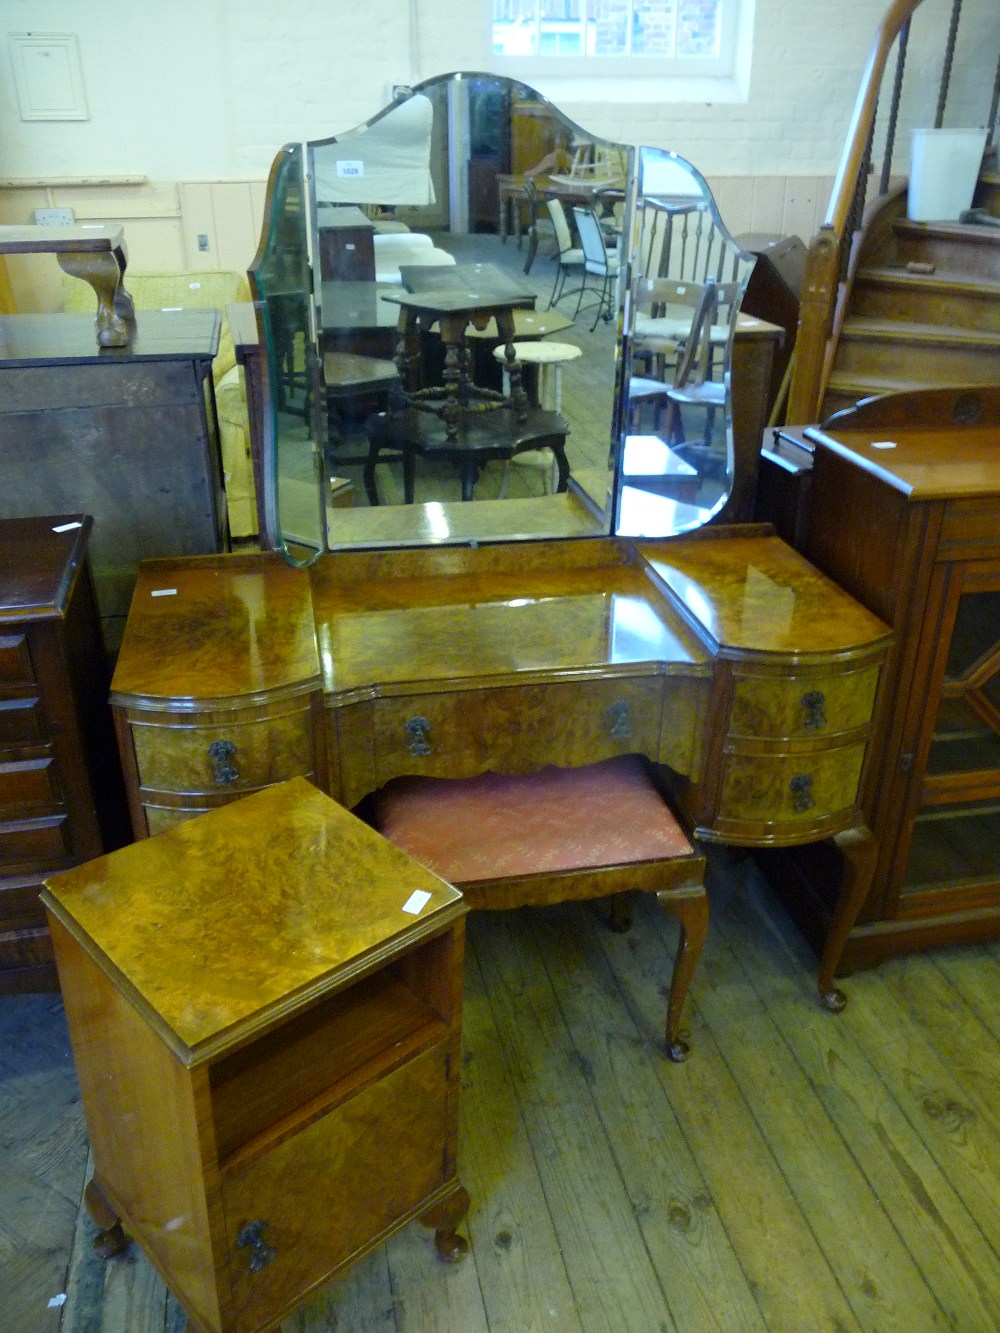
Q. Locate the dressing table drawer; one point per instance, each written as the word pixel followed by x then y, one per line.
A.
pixel 236 754
pixel 769 797
pixel 800 707
pixel 516 728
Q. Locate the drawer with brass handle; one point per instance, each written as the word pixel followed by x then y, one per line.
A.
pixel 799 707
pixel 240 754
pixel 513 728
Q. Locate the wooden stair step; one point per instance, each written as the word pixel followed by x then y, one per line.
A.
pixel 890 293
pixel 862 329
pixel 972 250
pixel 901 279
pixel 951 231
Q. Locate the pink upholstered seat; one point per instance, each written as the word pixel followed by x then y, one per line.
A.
pixel 495 826
pixel 553 835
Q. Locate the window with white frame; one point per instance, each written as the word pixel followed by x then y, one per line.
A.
pixel 634 37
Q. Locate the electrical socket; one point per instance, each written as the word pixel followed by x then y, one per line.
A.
pixel 54 217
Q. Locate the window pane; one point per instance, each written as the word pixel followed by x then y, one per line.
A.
pixel 653 28
pixel 699 27
pixel 660 29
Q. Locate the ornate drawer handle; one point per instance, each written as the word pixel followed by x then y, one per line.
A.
pixel 801 789
pixel 418 735
pixel 251 1236
pixel 813 702
pixel 221 752
pixel 620 720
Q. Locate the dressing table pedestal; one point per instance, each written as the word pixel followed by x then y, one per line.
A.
pixel 265 1011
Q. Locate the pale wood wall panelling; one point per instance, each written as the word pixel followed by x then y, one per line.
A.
pixel 163 220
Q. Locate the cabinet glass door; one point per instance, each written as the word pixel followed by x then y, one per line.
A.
pixel 956 832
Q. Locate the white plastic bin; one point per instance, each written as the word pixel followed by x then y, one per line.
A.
pixel 944 168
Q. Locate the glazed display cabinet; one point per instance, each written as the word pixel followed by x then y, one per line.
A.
pixel 907 518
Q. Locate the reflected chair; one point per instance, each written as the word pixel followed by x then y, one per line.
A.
pixel 553 836
pixel 571 257
pixel 693 384
pixel 598 261
pixel 681 305
pixel 539 225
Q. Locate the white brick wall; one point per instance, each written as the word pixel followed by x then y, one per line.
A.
pixel 214 87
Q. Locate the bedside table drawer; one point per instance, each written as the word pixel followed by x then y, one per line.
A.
pixel 335 1169
pixel 804 706
pixel 789 789
pixel 516 728
pixel 238 755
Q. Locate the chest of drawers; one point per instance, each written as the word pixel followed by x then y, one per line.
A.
pixel 61 798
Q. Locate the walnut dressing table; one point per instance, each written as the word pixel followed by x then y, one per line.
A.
pixel 724 657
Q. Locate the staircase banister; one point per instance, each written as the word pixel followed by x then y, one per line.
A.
pixel 863 116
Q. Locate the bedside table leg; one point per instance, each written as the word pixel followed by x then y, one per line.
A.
pixel 859 849
pixel 110 1239
pixel 444 1218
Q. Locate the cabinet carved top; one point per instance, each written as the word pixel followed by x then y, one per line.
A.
pixel 933 463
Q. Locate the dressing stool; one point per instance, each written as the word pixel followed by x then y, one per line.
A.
pixel 552 836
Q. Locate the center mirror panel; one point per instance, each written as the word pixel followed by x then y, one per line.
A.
pixel 470 365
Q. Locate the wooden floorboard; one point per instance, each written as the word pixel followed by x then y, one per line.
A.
pixel 802 1171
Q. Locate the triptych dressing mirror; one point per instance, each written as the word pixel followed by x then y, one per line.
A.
pixel 485 323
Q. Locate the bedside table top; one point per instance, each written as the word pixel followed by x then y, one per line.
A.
pixel 222 926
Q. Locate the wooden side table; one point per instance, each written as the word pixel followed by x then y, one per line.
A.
pixel 265 1010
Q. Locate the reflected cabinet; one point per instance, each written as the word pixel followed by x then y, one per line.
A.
pixel 906 515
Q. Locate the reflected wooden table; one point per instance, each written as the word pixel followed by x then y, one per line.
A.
pixel 480 438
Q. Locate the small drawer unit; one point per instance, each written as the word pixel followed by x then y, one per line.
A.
pixel 793 751
pixel 200 729
pixel 60 787
pixel 265 1012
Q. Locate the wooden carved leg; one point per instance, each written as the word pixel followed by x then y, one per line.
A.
pixel 101 270
pixel 690 907
pixel 859 850
pixel 443 1219
pixel 110 1239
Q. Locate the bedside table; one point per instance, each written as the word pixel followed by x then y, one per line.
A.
pixel 264 1005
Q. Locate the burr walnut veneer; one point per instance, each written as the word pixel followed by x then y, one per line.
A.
pixel 265 1009
pixel 724 658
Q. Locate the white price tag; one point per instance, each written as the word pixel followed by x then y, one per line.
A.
pixel 416 902
pixel 67 527
pixel 163 592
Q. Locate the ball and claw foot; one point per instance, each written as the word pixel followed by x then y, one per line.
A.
pixel 833 999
